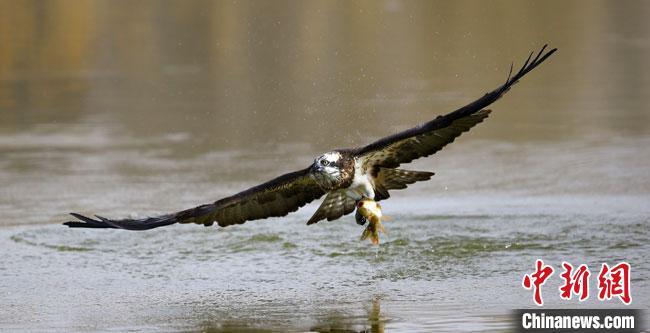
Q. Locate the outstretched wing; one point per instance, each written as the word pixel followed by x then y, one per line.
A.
pixel 277 197
pixel 430 137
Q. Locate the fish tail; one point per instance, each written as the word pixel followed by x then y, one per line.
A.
pixel 372 230
pixel 366 233
pixel 380 226
pixel 374 239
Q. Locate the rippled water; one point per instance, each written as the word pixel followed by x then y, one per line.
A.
pixel 453 257
pixel 166 105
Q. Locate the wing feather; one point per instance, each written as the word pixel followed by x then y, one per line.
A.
pixel 278 197
pixel 430 137
pixel 287 193
pixel 420 145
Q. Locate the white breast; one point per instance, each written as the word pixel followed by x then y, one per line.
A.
pixel 361 184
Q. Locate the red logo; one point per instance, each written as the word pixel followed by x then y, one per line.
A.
pixel 539 277
pixel 612 282
pixel 578 283
pixel 615 282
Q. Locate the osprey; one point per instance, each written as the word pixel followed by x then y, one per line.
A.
pixel 343 176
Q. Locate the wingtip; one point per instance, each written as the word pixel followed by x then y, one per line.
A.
pixel 528 66
pixel 72 224
pixel 83 218
pixel 103 219
pixel 78 216
pixel 551 50
pixel 85 222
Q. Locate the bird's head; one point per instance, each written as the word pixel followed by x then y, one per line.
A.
pixel 329 164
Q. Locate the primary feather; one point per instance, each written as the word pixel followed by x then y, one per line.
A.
pixel 334 173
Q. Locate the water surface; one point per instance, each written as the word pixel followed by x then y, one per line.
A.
pixel 160 106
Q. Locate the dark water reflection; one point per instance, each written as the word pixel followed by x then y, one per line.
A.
pixel 368 320
pixel 146 107
pixel 321 73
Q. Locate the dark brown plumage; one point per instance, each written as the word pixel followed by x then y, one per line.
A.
pixel 335 173
pixel 277 197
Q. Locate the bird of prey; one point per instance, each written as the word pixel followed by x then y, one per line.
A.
pixel 343 176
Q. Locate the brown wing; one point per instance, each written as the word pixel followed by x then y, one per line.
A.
pixel 396 179
pixel 277 197
pixel 419 145
pixel 430 137
pixel 335 205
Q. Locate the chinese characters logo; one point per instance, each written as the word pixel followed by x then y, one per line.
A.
pixel 612 281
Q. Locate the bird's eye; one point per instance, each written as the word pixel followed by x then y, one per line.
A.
pixel 324 162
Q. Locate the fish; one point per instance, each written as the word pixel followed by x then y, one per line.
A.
pixel 370 211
